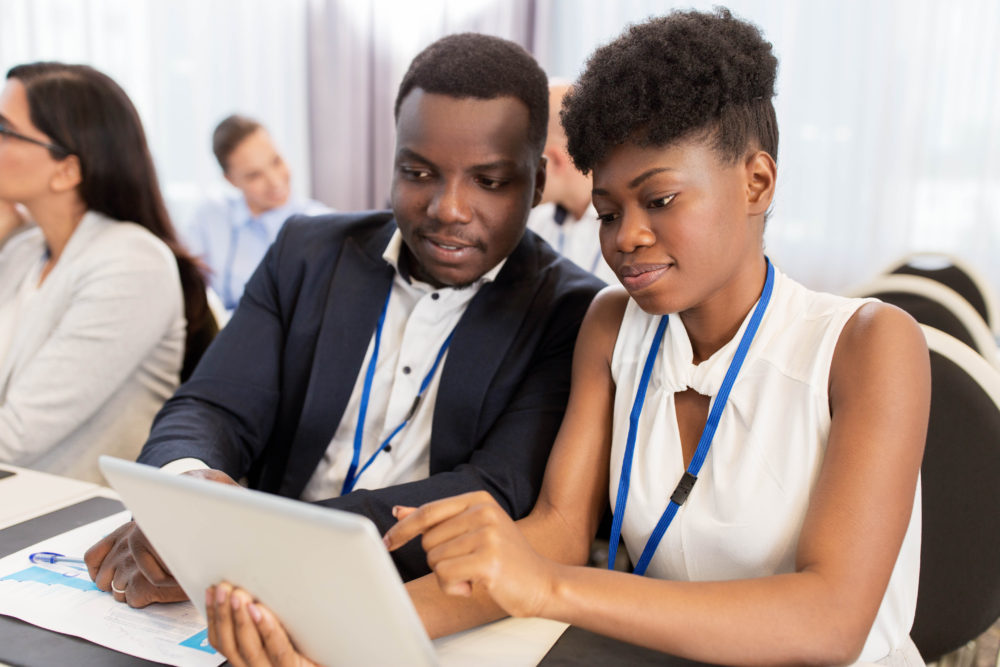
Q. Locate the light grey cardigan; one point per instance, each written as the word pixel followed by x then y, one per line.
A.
pixel 96 355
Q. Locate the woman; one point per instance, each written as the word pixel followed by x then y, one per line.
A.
pixel 95 289
pixel 760 443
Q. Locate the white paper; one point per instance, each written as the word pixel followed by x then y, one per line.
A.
pixel 61 597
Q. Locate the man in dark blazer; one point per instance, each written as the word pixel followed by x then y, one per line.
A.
pixel 272 390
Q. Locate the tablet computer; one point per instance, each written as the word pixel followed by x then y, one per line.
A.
pixel 324 572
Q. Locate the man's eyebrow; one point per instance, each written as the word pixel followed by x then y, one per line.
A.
pixel 408 154
pixel 496 164
pixel 637 181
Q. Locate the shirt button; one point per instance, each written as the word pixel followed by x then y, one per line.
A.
pixel 406 370
pixel 435 296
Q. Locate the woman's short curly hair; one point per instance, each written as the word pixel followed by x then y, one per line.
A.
pixel 674 77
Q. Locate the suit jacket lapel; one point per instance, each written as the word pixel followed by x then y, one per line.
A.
pixel 482 338
pixel 360 282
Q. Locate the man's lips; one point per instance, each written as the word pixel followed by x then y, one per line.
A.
pixel 637 276
pixel 449 250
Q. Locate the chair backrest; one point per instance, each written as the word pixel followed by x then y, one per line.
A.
pixel 959 594
pixel 952 272
pixel 938 306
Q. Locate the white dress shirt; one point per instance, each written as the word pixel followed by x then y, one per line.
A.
pixel 232 241
pixel 418 320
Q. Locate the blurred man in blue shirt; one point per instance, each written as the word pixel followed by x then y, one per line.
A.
pixel 232 232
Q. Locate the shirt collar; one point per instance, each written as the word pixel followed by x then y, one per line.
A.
pixel 395 247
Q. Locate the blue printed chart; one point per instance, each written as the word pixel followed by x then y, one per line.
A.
pixel 61 597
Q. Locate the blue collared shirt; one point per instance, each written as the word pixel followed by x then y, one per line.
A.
pixel 232 241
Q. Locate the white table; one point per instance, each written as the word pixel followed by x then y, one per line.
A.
pixel 509 642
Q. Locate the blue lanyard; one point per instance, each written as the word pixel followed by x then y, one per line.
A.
pixel 353 473
pixel 684 487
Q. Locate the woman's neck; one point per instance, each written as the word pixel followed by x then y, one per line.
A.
pixel 712 324
pixel 58 218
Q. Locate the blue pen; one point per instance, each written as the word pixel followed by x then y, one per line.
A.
pixel 52 557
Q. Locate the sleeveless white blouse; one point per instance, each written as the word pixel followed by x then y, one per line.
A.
pixel 744 515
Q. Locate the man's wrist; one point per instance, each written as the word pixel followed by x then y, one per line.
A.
pixel 181 466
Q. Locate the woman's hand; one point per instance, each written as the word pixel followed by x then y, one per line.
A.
pixel 470 541
pixel 246 632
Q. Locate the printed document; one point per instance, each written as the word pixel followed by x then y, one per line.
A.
pixel 61 597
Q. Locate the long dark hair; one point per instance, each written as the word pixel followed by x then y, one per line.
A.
pixel 88 114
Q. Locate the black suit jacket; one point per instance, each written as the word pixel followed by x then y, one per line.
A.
pixel 267 397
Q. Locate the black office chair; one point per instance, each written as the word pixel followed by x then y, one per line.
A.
pixel 957 275
pixel 937 306
pixel 959 594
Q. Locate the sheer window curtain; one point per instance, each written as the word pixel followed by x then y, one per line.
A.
pixel 889 113
pixel 890 124
pixel 185 64
pixel 358 54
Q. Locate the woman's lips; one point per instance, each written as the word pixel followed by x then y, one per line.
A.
pixel 638 276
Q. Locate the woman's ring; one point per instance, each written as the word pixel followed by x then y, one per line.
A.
pixel 115 589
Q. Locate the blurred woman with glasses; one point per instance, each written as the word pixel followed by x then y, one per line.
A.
pixel 99 302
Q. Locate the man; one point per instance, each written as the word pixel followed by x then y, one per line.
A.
pixel 232 232
pixel 383 359
pixel 565 218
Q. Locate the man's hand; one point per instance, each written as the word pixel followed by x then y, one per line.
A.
pixel 125 564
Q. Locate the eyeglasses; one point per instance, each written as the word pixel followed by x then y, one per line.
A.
pixel 6 131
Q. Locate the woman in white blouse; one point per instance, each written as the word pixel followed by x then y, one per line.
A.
pixel 98 300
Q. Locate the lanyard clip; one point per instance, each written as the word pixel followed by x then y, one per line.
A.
pixel 683 488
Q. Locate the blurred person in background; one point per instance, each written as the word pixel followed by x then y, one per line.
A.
pixel 566 218
pixel 231 232
pixel 100 305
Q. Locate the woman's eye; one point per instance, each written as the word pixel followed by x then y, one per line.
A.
pixel 607 218
pixel 660 202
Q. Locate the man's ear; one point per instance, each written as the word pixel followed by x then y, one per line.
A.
pixel 67 175
pixel 540 180
pixel 229 179
pixel 761 174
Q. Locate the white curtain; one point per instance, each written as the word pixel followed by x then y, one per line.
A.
pixel 889 111
pixel 358 54
pixel 889 114
pixel 185 64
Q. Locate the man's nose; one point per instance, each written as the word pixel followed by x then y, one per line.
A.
pixel 450 205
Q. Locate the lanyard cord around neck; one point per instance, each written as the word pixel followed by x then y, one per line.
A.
pixel 359 432
pixel 690 476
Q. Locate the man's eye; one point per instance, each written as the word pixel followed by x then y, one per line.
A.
pixel 416 174
pixel 660 202
pixel 491 183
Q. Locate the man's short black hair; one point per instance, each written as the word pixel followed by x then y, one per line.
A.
pixel 483 67
pixel 675 77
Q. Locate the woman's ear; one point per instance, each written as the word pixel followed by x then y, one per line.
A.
pixel 761 173
pixel 67 175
